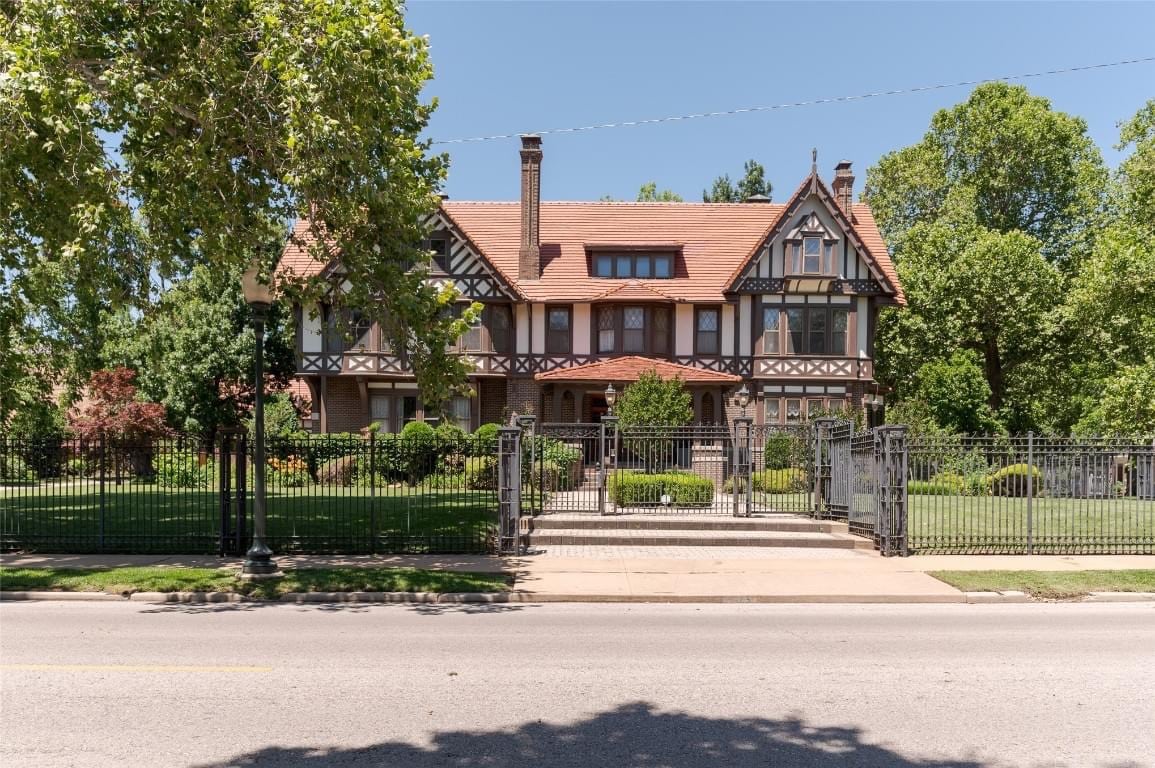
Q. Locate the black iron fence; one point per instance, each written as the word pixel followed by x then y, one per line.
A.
pixel 1031 494
pixel 446 491
pixel 327 493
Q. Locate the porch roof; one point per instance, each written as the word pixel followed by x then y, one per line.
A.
pixel 630 367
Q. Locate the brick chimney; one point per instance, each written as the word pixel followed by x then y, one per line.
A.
pixel 843 187
pixel 529 257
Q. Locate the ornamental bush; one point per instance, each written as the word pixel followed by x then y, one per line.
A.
pixel 779 450
pixel 481 473
pixel 290 472
pixel 1013 479
pixel 633 489
pixel 13 469
pixel 182 470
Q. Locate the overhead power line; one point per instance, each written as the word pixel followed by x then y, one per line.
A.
pixel 806 103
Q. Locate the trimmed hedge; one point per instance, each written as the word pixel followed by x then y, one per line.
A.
pixel 790 480
pixel 633 489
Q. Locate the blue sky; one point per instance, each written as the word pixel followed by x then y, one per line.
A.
pixel 503 67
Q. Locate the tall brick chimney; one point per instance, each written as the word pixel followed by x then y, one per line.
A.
pixel 529 257
pixel 843 187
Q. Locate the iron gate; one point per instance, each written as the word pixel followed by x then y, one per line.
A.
pixel 569 467
pixel 833 483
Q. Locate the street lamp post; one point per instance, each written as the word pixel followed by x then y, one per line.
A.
pixel 743 399
pixel 259 563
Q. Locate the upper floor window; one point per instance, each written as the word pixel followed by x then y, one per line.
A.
pixel 812 330
pixel 559 330
pixel 440 247
pixel 637 265
pixel 814 255
pixel 771 333
pixel 633 330
pixel 346 330
pixel 499 320
pixel 707 325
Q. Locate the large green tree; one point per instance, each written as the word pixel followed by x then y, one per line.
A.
pixel 753 182
pixel 649 193
pixel 141 139
pixel 1025 167
pixel 193 351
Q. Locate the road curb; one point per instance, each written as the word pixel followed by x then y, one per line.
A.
pixel 1010 596
pixel 1120 597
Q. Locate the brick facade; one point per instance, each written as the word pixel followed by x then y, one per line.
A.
pixel 523 396
pixel 492 396
pixel 345 410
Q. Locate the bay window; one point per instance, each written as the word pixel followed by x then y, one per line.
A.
pixel 559 333
pixel 632 330
pixel 814 330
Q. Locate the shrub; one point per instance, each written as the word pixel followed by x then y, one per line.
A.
pixel 484 440
pixel 340 471
pixel 1013 479
pixel 181 470
pixel 631 489
pixel 481 473
pixel 78 466
pixel 418 431
pixel 789 480
pixel 320 448
pixel 13 469
pixel 778 451
pixel 290 472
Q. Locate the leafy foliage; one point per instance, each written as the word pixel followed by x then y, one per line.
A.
pixel 957 393
pixel 753 182
pixel 113 412
pixel 1126 405
pixel 143 139
pixel 628 489
pixel 648 193
pixel 654 401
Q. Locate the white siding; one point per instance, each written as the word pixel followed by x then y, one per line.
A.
pixel 776 260
pixel 862 318
pixel 728 327
pixel 522 323
pixel 310 330
pixel 581 329
pixel 538 329
pixel 684 329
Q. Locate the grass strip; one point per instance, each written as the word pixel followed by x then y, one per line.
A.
pixel 176 579
pixel 1050 585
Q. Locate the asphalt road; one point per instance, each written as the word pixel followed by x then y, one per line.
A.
pixel 102 684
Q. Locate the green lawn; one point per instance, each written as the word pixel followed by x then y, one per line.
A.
pixel 940 523
pixel 171 579
pixel 67 516
pixel 1051 585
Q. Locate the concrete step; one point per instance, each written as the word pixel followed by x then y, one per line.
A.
pixel 640 537
pixel 790 523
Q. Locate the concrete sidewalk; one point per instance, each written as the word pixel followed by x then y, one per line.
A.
pixel 635 574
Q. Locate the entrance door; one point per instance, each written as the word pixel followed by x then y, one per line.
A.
pixel 598 408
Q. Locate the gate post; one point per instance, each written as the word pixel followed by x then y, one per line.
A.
pixel 509 490
pixel 528 424
pixel 609 461
pixel 891 470
pixel 224 501
pixel 743 466
pixel 821 464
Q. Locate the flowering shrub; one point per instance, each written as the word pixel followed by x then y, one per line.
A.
pixel 289 472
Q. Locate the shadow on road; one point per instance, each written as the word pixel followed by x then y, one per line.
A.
pixel 635 735
pixel 422 609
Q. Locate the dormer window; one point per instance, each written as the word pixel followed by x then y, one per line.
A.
pixel 632 264
pixel 810 248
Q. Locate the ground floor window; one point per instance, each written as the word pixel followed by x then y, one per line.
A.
pixel 459 412
pixel 792 410
pixel 392 412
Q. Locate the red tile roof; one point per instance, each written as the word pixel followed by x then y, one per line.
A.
pixel 715 237
pixel 629 368
pixel 715 241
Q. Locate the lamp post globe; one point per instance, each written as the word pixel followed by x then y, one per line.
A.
pixel 611 397
pixel 259 561
pixel 743 398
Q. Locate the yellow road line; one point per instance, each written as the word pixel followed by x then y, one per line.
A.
pixel 125 668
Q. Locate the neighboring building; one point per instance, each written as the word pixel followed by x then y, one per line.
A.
pixel 781 297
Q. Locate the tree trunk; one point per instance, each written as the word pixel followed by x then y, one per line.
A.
pixel 994 371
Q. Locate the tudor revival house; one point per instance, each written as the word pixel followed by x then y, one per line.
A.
pixel 780 296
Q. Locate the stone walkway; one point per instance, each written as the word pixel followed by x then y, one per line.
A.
pixel 693 553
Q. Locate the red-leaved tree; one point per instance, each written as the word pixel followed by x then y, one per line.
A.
pixel 111 410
